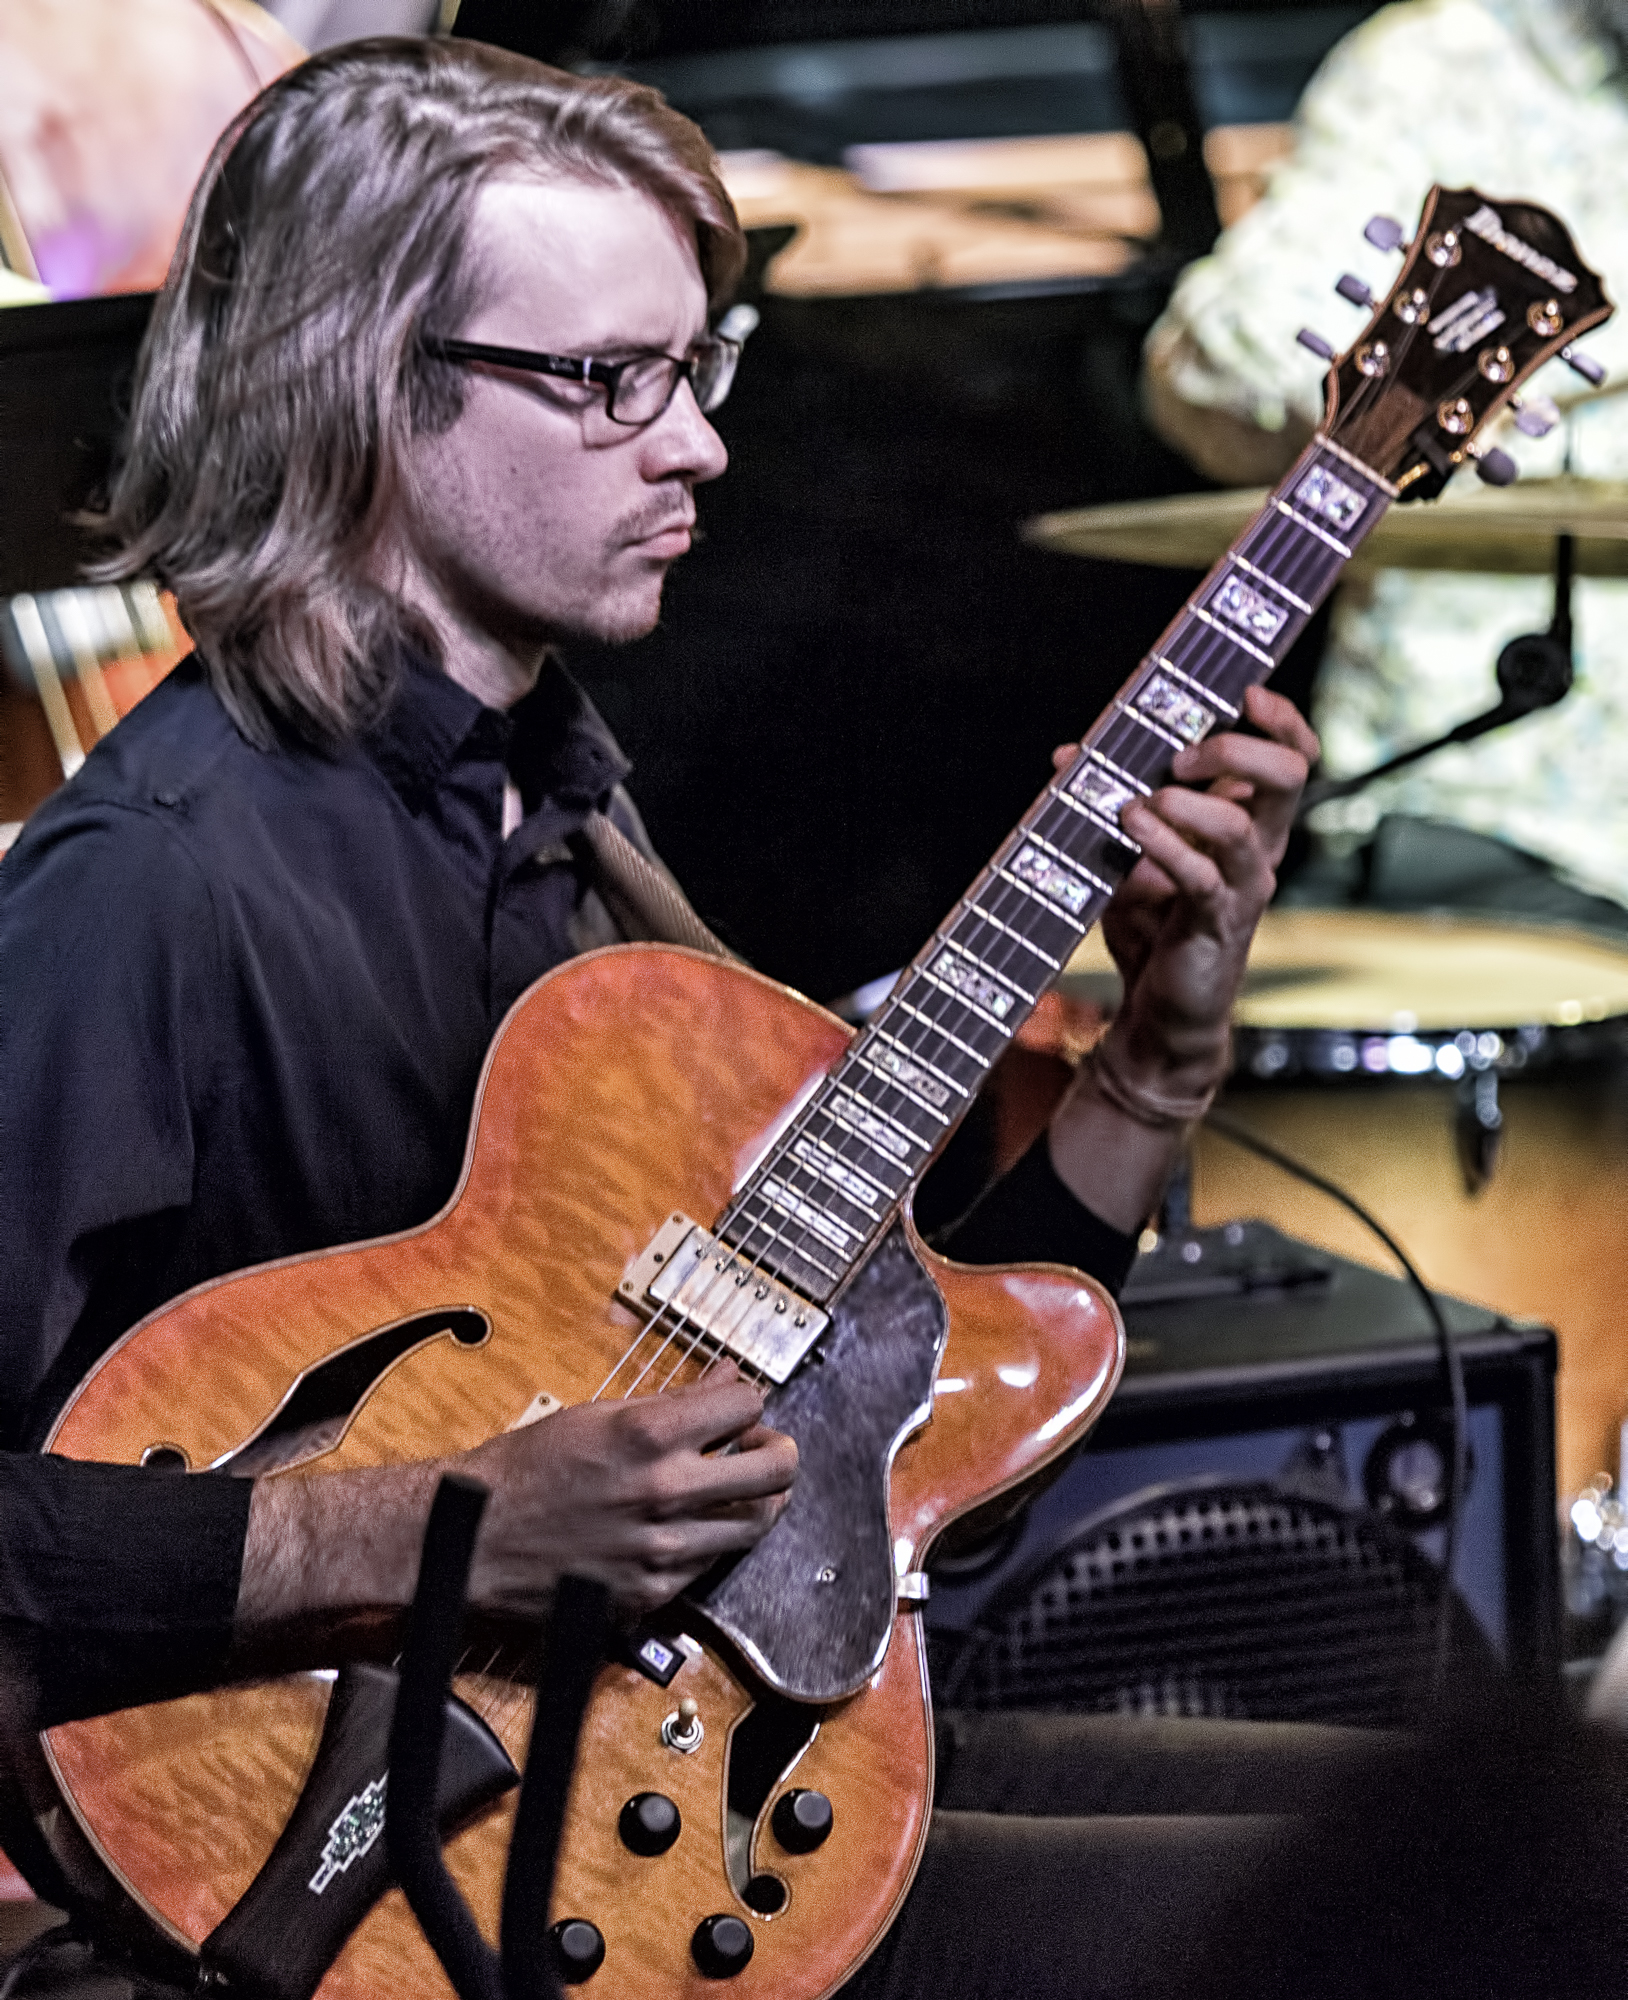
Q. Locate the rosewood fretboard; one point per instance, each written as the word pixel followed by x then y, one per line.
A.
pixel 829 1186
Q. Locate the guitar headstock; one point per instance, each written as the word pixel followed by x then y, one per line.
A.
pixel 1489 291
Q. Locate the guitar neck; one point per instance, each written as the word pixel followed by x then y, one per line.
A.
pixel 832 1182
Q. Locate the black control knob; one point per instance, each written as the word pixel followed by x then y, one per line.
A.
pixel 721 1947
pixel 579 1950
pixel 650 1823
pixel 802 1820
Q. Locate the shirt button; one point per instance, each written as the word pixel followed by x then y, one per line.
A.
pixel 166 798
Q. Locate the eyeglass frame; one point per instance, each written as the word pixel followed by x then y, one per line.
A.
pixel 587 369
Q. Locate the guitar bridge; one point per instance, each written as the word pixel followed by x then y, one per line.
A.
pixel 699 1281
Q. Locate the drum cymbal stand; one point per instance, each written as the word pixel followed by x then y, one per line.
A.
pixel 1534 671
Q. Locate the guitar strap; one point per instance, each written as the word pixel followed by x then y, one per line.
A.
pixel 633 885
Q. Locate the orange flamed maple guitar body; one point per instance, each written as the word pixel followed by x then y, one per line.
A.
pixel 626 1085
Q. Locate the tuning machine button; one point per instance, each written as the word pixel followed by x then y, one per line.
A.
pixel 1495 467
pixel 721 1947
pixel 1584 365
pixel 1535 415
pixel 649 1823
pixel 1351 288
pixel 802 1821
pixel 1384 232
pixel 1315 341
pixel 579 1950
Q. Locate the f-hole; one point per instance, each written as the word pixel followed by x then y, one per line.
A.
pixel 762 1750
pixel 326 1399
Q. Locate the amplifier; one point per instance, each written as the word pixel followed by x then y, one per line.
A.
pixel 1255 1526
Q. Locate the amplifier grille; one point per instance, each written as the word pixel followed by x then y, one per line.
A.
pixel 1222 1600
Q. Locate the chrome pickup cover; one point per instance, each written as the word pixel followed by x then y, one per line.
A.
pixel 702 1282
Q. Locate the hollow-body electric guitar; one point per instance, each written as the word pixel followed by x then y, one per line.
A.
pixel 674 1158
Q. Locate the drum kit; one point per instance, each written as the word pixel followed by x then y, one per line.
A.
pixel 1462 1076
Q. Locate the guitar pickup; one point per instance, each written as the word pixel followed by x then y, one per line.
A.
pixel 699 1282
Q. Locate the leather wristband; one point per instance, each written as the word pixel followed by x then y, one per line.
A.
pixel 1157 1109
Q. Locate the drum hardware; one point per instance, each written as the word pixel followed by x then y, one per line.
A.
pixel 1486 530
pixel 1478 1129
pixel 1535 670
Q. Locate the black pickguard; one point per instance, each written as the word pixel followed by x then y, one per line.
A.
pixel 812 1605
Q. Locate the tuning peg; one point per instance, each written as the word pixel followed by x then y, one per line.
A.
pixel 1315 341
pixel 1384 232
pixel 1535 415
pixel 1496 467
pixel 1352 289
pixel 1584 364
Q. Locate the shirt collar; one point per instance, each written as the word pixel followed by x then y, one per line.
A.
pixel 555 741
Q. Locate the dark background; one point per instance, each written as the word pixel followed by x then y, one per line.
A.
pixel 861 670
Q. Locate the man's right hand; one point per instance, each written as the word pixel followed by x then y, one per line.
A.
pixel 642 1495
pixel 638 1495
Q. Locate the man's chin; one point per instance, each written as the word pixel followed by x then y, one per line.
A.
pixel 633 615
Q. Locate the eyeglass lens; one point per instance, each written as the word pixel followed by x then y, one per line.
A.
pixel 646 386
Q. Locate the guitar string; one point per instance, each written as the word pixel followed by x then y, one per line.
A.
pixel 1272 536
pixel 1001 900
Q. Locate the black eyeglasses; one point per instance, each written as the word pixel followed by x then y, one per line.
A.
pixel 636 390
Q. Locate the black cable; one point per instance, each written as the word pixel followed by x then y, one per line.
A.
pixel 1451 1363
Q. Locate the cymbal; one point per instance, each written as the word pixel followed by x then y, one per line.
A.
pixel 1508 530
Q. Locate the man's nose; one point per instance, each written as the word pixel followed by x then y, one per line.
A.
pixel 683 443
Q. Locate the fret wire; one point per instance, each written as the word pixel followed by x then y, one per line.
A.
pixel 912 1056
pixel 1199 687
pixel 938 1027
pixel 1071 922
pixel 936 1048
pixel 977 1016
pixel 976 909
pixel 870 1160
pixel 1273 583
pixel 836 1172
pixel 863 1078
pixel 877 1111
pixel 1236 638
pixel 983 1009
pixel 1294 561
pixel 1172 742
pixel 1032 832
pixel 795 1178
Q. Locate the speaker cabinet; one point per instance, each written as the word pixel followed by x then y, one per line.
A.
pixel 1256 1526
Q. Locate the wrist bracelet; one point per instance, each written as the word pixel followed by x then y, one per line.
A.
pixel 1140 1101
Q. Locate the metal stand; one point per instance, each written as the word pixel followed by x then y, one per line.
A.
pixel 528 1967
pixel 1534 671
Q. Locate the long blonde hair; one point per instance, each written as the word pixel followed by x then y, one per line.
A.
pixel 282 376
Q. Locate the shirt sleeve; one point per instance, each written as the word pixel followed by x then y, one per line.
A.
pixel 1028 1216
pixel 104 1055
pixel 117 1585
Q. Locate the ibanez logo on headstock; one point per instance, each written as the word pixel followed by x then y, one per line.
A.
pixel 1489 291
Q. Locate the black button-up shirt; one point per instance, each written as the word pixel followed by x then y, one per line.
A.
pixel 245 998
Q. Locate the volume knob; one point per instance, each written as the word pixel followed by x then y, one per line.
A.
pixel 721 1947
pixel 802 1821
pixel 579 1950
pixel 649 1823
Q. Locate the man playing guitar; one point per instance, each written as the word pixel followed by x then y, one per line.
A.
pixel 424 400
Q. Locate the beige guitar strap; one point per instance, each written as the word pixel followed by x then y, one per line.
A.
pixel 630 882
